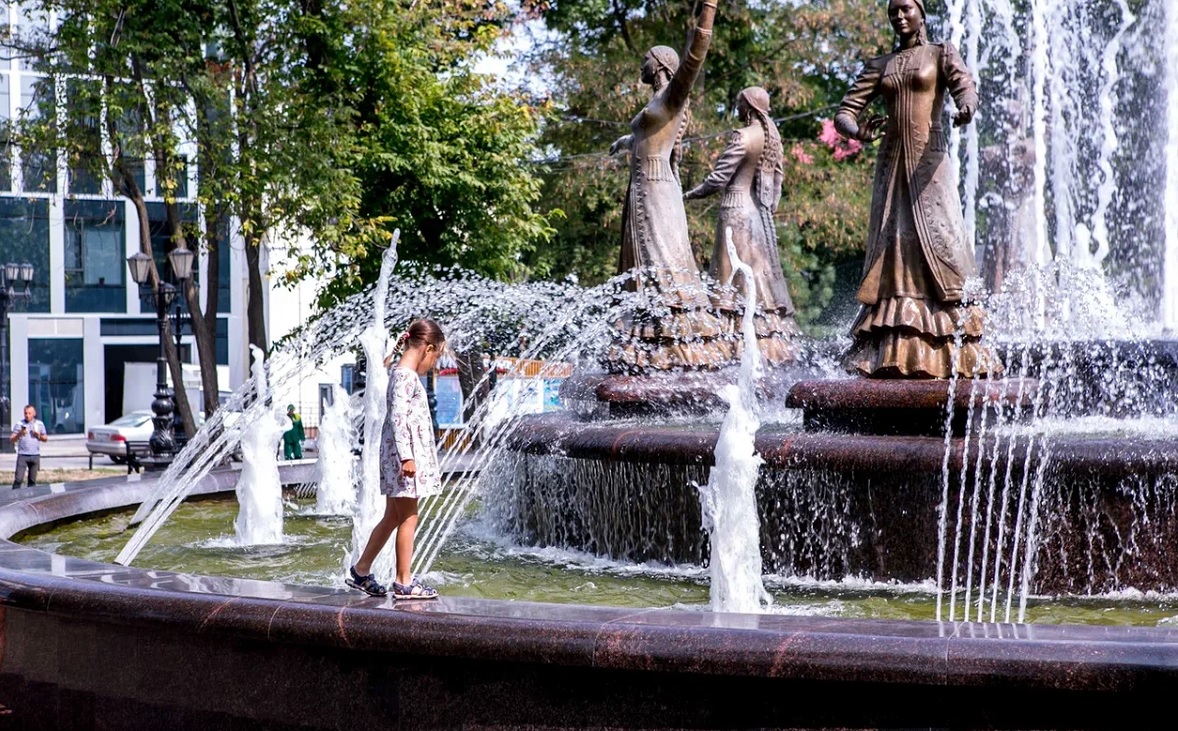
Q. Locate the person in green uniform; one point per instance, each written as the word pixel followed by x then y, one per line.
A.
pixel 292 440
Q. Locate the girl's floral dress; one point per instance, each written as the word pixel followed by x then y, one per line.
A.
pixel 408 433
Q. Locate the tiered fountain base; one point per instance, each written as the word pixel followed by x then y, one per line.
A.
pixel 837 500
pixel 910 407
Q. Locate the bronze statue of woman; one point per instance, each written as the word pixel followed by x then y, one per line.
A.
pixel 749 174
pixel 655 240
pixel 915 312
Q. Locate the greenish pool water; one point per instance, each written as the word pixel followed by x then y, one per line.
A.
pixel 477 563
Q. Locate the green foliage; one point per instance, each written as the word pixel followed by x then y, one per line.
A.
pixel 333 123
pixel 439 152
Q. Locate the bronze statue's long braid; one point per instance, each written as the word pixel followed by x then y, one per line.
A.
pixel 769 167
pixel 677 149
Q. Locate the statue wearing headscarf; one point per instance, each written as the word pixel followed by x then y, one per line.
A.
pixel 675 329
pixel 749 174
pixel 915 320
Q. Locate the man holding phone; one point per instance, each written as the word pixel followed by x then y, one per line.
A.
pixel 27 435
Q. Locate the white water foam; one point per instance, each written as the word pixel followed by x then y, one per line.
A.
pixel 728 503
pixel 259 487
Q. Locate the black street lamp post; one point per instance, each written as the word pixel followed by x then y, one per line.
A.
pixel 162 440
pixel 11 275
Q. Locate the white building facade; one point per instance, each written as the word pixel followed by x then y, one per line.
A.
pixel 70 342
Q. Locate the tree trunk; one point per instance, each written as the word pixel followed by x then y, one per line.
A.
pixel 475 387
pixel 125 184
pixel 255 303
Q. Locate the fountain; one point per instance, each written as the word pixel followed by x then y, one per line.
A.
pixel 259 489
pixel 987 494
pixel 335 492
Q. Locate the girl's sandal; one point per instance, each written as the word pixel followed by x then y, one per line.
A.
pixel 367 584
pixel 415 590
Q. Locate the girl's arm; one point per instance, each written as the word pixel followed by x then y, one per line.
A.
pixel 400 402
pixel 693 59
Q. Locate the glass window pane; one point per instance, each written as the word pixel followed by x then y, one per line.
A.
pixel 36 95
pixel 56 383
pixel 180 180
pixel 104 260
pixel 6 151
pixel 82 114
pixel 24 237
pixel 39 170
pixel 95 263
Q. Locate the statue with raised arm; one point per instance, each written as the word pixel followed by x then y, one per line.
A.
pixel 916 320
pixel 676 330
pixel 749 174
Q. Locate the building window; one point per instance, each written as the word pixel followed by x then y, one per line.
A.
pixel 179 182
pixel 94 262
pixel 161 230
pixel 83 99
pixel 24 236
pixel 5 133
pixel 56 383
pixel 39 166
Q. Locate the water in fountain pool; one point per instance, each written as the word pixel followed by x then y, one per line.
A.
pixel 479 562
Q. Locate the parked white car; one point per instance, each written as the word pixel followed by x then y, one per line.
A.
pixel 111 439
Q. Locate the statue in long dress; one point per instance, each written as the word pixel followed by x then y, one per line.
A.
pixel 916 320
pixel 675 329
pixel 749 175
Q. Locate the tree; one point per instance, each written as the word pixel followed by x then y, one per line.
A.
pixel 117 111
pixel 239 80
pixel 438 151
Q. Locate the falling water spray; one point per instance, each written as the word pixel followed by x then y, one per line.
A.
pixel 1170 257
pixel 336 465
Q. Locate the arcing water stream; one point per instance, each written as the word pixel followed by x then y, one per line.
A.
pixel 563 320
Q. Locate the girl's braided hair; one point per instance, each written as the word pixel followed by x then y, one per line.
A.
pixel 423 331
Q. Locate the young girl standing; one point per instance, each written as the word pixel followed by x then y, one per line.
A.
pixel 408 462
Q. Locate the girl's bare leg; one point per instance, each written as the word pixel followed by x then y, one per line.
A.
pixel 380 536
pixel 407 513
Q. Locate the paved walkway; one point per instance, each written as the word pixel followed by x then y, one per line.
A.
pixel 68 452
pixel 62 452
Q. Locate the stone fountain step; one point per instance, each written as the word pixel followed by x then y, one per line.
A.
pixel 909 407
pixel 657 394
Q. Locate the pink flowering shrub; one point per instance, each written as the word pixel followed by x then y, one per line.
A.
pixel 801 155
pixel 842 147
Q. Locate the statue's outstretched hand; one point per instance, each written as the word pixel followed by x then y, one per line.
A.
pixel 621 143
pixel 872 129
pixel 964 116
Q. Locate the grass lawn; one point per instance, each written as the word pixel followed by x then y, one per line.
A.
pixel 48 476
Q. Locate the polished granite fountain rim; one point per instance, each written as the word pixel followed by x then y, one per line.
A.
pixel 1102 659
pixel 565 435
